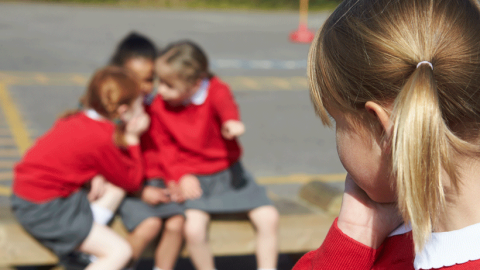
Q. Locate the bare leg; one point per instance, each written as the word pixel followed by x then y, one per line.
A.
pixel 196 237
pixel 111 250
pixel 143 234
pixel 111 199
pixel 167 251
pixel 265 220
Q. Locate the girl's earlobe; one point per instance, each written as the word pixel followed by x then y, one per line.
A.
pixel 122 109
pixel 381 115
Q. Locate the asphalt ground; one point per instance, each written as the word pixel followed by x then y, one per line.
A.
pixel 47 53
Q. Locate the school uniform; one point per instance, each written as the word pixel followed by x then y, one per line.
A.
pixel 454 250
pixel 187 139
pixel 48 199
pixel 133 210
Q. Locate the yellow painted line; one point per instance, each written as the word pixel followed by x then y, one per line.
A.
pixel 302 81
pixel 7 164
pixel 41 78
pixel 9 153
pixel 281 83
pixel 5 191
pixel 14 120
pixel 4 132
pixel 7 142
pixel 238 83
pixel 79 79
pixel 250 83
pixel 301 178
pixel 5 176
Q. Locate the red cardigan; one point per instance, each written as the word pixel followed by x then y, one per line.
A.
pixel 340 252
pixel 69 155
pixel 187 139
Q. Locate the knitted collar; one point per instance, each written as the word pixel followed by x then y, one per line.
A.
pixel 201 95
pixel 450 248
pixel 445 249
pixel 92 114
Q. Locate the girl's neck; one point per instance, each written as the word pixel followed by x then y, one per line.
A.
pixel 461 208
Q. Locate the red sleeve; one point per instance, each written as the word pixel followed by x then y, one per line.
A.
pixel 121 169
pixel 161 154
pixel 171 165
pixel 339 252
pixel 151 156
pixel 224 103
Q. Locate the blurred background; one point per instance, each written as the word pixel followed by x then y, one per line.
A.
pixel 48 49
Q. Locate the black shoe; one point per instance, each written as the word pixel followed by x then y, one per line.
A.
pixel 75 261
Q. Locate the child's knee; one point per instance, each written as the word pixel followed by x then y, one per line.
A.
pixel 267 218
pixel 149 228
pixel 125 251
pixel 120 250
pixel 195 233
pixel 175 224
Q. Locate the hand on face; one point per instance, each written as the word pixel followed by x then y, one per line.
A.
pixel 138 124
pixel 137 121
pixel 155 195
pixel 364 220
pixel 98 186
pixel 190 186
pixel 232 129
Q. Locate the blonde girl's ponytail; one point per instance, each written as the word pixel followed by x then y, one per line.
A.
pixel 420 153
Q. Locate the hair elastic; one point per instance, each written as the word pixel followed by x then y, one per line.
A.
pixel 117 121
pixel 425 62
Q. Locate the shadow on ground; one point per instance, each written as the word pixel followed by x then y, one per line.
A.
pixel 285 262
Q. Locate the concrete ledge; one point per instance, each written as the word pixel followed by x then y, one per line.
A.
pixel 298 233
pixel 326 196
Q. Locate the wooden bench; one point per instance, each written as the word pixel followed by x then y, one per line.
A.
pixel 300 231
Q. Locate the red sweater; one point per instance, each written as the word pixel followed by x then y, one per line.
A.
pixel 187 139
pixel 69 155
pixel 340 252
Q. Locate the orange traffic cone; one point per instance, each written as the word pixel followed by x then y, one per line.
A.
pixel 303 34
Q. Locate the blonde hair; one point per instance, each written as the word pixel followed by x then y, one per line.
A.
pixel 188 60
pixel 369 51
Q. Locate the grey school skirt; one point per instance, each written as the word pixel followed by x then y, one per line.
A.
pixel 233 190
pixel 61 225
pixel 133 210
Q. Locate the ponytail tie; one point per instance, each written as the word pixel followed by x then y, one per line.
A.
pixel 425 62
pixel 117 121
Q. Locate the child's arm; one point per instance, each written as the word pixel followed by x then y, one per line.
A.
pixel 227 110
pixel 190 186
pixel 125 171
pixel 232 129
pixel 155 195
pixel 97 188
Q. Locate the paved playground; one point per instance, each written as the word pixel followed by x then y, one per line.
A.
pixel 48 52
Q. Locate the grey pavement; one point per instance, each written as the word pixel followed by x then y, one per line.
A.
pixel 283 135
pixel 48 37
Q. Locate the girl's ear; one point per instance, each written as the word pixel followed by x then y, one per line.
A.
pixel 122 109
pixel 381 116
pixel 198 83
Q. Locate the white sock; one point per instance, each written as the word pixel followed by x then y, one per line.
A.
pixel 101 215
pixel 156 268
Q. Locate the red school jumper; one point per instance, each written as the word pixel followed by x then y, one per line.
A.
pixel 340 252
pixel 69 155
pixel 187 139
